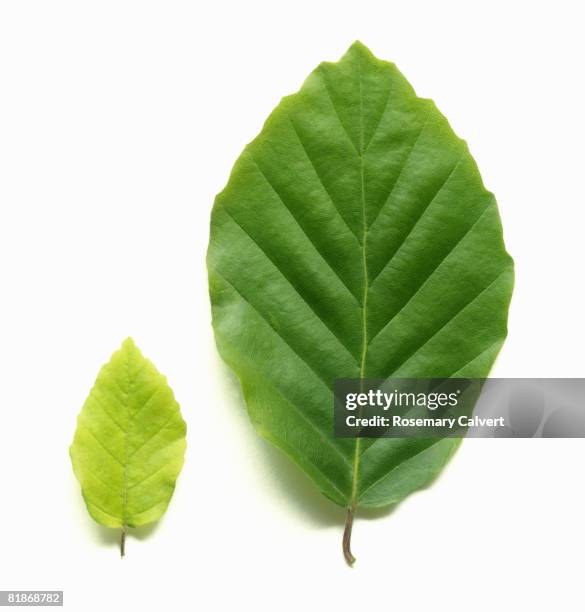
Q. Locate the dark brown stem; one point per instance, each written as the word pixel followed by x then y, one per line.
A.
pixel 347 537
pixel 123 542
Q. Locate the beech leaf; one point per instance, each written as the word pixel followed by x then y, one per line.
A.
pixel 355 239
pixel 130 444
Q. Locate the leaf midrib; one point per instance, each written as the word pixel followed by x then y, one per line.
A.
pixel 356 458
pixel 127 395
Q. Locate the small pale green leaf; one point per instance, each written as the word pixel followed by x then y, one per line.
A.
pixel 355 239
pixel 130 444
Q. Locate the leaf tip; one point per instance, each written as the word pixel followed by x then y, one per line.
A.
pixel 358 47
pixel 129 343
pixel 130 349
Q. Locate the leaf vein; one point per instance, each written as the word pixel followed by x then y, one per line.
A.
pixel 320 179
pixel 98 478
pixel 373 484
pixel 313 426
pixel 143 480
pixel 92 503
pixel 150 397
pixel 456 314
pixel 485 350
pixel 278 334
pixel 148 508
pixel 402 168
pixel 303 230
pixel 100 404
pixel 418 219
pixel 334 106
pixel 452 250
pixel 155 434
pixel 379 122
pixel 279 270
pixel 84 426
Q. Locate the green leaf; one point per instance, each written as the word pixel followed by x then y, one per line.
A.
pixel 355 239
pixel 130 444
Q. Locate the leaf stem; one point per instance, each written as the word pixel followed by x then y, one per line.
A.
pixel 123 542
pixel 350 559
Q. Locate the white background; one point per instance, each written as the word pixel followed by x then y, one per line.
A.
pixel 119 122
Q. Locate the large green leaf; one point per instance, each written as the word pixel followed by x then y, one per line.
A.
pixel 355 239
pixel 130 443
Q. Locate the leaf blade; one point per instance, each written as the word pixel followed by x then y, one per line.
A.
pixel 374 250
pixel 129 446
